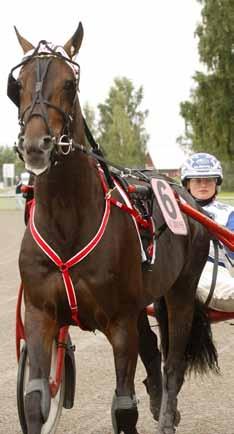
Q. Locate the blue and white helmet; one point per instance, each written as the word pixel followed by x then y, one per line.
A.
pixel 201 165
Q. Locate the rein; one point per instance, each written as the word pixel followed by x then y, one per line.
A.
pixel 43 55
pixel 214 273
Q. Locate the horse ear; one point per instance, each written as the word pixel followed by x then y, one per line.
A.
pixel 26 46
pixel 73 45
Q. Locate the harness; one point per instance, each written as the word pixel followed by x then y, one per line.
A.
pixel 43 55
pixel 64 267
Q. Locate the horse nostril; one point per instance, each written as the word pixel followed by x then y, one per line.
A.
pixel 21 143
pixel 46 143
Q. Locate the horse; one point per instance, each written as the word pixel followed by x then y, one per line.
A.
pixel 80 259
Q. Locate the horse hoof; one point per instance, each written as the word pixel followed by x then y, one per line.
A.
pixel 155 411
pixel 155 396
pixel 154 390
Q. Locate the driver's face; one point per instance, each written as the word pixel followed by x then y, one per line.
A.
pixel 202 188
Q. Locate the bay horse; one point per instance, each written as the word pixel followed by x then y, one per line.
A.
pixel 104 286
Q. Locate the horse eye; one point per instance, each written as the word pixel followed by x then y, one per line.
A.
pixel 70 86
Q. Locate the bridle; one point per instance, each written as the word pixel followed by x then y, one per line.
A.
pixel 43 54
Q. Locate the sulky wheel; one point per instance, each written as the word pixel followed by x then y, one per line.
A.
pixel 56 406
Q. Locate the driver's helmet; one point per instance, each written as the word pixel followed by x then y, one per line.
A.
pixel 201 165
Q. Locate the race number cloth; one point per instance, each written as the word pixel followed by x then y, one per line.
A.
pixel 169 206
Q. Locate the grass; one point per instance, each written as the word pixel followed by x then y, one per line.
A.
pixel 226 197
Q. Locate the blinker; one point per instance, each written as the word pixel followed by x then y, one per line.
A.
pixel 13 89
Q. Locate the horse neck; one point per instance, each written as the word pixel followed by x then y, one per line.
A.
pixel 70 196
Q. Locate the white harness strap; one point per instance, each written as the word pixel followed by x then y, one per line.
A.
pixel 128 203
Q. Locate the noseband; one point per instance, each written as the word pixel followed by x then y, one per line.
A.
pixel 43 54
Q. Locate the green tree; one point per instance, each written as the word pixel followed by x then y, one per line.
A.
pixel 209 114
pixel 121 130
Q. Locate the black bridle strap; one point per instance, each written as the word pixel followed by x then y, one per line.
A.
pixel 136 173
pixel 97 153
pixel 89 136
pixel 215 272
pixel 38 97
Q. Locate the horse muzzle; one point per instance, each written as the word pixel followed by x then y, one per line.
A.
pixel 36 153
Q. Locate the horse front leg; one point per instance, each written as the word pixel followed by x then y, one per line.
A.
pixel 180 308
pixel 40 332
pixel 123 336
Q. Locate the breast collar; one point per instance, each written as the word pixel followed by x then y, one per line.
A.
pixel 64 267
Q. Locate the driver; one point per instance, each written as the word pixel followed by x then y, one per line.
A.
pixel 202 175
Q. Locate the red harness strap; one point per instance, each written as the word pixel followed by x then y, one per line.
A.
pixel 129 209
pixel 64 266
pixel 139 221
pixel 132 211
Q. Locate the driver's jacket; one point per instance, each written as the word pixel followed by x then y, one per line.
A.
pixel 224 215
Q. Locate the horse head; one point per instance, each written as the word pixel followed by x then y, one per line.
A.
pixel 46 95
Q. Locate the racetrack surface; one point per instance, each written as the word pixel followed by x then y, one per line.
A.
pixel 206 404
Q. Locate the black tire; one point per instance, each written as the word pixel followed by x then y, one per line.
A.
pixel 20 388
pixel 70 375
pixel 51 424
